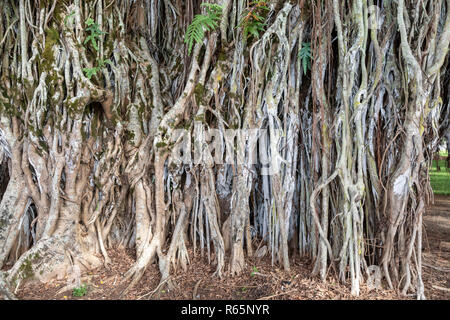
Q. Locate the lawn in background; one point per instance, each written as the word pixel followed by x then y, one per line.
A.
pixel 440 180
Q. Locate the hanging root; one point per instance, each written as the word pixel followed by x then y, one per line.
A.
pixel 308 124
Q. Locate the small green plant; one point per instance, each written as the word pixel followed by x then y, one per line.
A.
pixel 80 291
pixel 255 270
pixel 305 56
pixel 200 23
pixel 94 36
pixel 95 33
pixel 89 72
pixel 252 22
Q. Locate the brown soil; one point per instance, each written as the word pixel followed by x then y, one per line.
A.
pixel 260 281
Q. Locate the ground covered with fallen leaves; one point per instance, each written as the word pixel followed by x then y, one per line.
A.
pixel 261 280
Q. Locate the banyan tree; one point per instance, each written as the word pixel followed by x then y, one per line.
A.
pixel 324 116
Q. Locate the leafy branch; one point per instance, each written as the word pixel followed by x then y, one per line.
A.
pixel 95 33
pixel 253 20
pixel 200 23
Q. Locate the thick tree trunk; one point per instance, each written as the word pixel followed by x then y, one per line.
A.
pixel 319 143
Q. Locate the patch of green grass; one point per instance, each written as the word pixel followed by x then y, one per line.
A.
pixel 79 292
pixel 440 180
pixel 443 153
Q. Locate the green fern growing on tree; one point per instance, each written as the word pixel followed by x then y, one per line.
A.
pixel 253 19
pixel 95 33
pixel 305 56
pixel 94 36
pixel 200 23
pixel 89 72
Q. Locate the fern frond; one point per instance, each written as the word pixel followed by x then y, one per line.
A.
pixel 306 56
pixel 252 21
pixel 201 23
